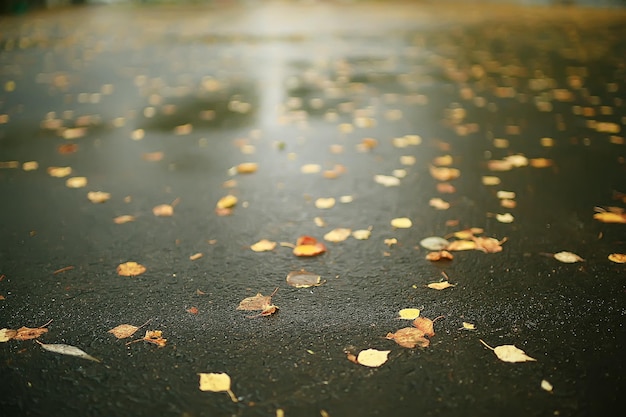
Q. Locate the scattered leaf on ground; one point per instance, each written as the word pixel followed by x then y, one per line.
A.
pixel 196 256
pixel 192 310
pixel 67 350
pixel 409 313
pixel 468 233
pixel 610 217
pixel 488 244
pixel 425 325
pixel 444 173
pixel 216 382
pixel 125 330
pixel 76 182
pixel 263 245
pixel 226 202
pixel 409 337
pixel 439 204
pixel 310 168
pixel 458 245
pixel 247 168
pixel 468 326
pixel 372 357
pixel 401 223
pixel 257 302
pixel 308 246
pixel 28 333
pixel 387 180
pixel 505 218
pixel 439 255
pixel 442 285
pixel 325 202
pixel 59 172
pixel 126 218
pixel 391 241
pixel 567 257
pixel 337 235
pixel 619 258
pixel 163 210
pixel 434 243
pixel 545 385
pixel 130 269
pixel 362 234
pixel 304 279
pixel 7 334
pixel 509 353
pixel 155 337
pixel 98 196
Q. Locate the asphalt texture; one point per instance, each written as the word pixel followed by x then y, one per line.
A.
pixel 156 105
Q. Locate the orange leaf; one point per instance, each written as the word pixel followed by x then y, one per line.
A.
pixel 425 325
pixel 409 337
pixel 155 337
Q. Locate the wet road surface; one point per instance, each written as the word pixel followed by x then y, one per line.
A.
pixel 506 119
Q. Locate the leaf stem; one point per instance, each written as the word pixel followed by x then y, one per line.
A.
pixel 483 342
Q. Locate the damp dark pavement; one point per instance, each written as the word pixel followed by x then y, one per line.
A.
pixel 509 120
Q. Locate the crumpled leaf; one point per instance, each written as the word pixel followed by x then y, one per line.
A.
pixel 304 279
pixel 27 333
pixel 216 382
pixel 372 357
pixel 155 337
pixel 259 302
pixel 458 245
pixel 67 350
pixel 130 269
pixel 567 257
pixel 263 245
pixel 425 325
pixel 509 353
pixel 409 337
pixel 488 244
pixel 125 330
pixel 439 255
pixel 337 235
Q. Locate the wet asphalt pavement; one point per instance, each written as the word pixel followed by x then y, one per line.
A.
pixel 156 105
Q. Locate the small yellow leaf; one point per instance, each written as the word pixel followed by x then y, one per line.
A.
pixel 247 168
pixel 163 210
pixel 372 357
pixel 59 172
pixel 124 219
pixel 325 203
pixel 227 202
pixel 196 256
pixel 610 217
pixel 123 331
pixel 401 223
pixel 505 218
pixel 390 242
pixel 76 182
pixel 337 235
pixel 619 258
pixel 546 385
pixel 310 168
pixel 468 326
pixel 387 180
pixel 263 245
pixel 98 196
pixel 409 313
pixel 362 234
pixel 130 269
pixel 216 382
pixel 7 334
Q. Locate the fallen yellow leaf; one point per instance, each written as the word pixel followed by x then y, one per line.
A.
pixel 401 223
pixel 372 357
pixel 409 313
pixel 216 382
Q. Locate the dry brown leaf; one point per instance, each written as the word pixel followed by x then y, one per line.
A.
pixel 425 325
pixel 304 279
pixel 488 244
pixel 155 337
pixel 409 337
pixel 438 256
pixel 258 302
pixel 125 330
pixel 130 269
pixel 263 245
